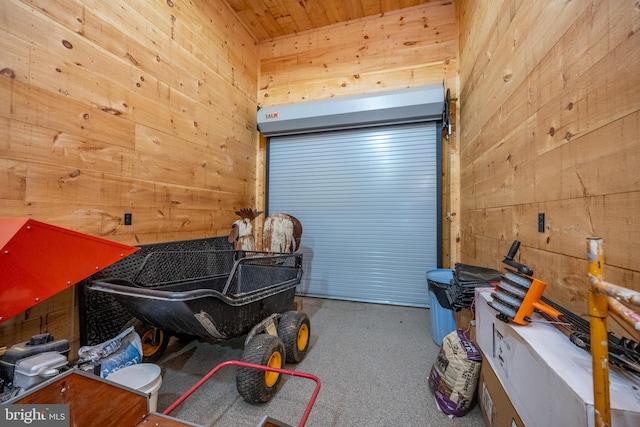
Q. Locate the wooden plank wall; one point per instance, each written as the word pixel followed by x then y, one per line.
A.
pixel 140 106
pixel 413 47
pixel 549 119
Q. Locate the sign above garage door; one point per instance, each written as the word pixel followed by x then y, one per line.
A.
pixel 411 105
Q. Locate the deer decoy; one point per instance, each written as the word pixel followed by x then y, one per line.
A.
pixel 242 230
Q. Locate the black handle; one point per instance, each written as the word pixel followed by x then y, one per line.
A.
pixel 509 260
pixel 513 250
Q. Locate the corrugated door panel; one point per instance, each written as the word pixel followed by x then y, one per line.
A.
pixel 367 200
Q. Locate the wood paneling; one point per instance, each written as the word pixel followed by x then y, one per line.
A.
pixel 102 113
pixel 270 19
pixel 147 107
pixel 410 47
pixel 549 119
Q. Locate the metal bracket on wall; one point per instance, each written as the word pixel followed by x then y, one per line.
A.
pixel 446 114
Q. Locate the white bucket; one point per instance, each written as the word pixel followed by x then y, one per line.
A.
pixel 144 377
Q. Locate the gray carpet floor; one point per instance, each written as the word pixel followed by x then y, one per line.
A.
pixel 373 361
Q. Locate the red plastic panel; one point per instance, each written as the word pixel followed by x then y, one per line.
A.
pixel 39 260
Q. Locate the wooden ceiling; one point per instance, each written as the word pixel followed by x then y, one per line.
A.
pixel 269 19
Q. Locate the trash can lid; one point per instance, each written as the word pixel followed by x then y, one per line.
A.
pixel 440 275
pixel 136 376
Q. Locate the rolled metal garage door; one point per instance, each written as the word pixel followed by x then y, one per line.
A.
pixel 369 203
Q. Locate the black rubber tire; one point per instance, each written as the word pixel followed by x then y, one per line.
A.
pixel 294 329
pixel 151 351
pixel 256 386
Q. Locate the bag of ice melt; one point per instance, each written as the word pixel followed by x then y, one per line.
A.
pixel 117 353
pixel 454 375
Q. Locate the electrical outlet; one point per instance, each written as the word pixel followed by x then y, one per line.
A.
pixel 541 222
pixel 127 219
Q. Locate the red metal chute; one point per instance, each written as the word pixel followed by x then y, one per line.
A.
pixel 39 260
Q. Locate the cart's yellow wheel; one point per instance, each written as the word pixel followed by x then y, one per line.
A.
pixel 275 361
pixel 154 340
pixel 254 385
pixel 295 330
pixel 303 337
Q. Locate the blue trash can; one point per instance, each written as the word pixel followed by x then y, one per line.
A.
pixel 443 321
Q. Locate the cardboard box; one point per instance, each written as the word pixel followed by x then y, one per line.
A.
pixel 547 378
pixel 496 408
pixel 466 321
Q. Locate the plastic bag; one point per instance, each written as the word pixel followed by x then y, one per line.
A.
pixel 454 375
pixel 117 353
